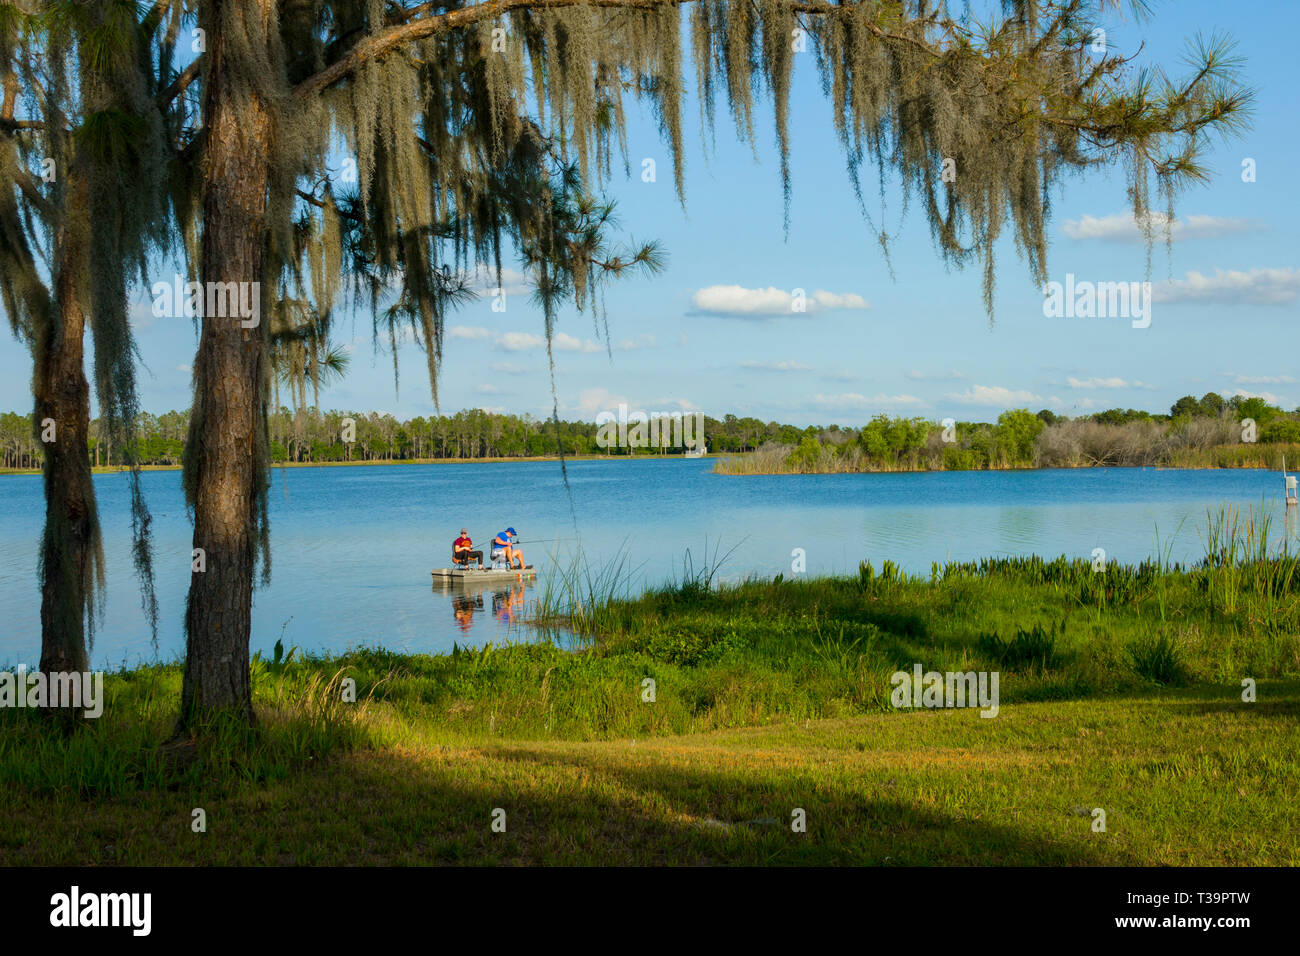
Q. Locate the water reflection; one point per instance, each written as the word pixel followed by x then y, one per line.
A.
pixel 508 602
pixel 463 608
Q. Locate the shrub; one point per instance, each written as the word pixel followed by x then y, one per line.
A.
pixel 686 646
pixel 1032 648
pixel 1159 659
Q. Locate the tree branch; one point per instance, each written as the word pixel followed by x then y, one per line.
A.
pixel 182 81
pixel 384 41
pixel 153 18
pixel 320 204
pixel 34 196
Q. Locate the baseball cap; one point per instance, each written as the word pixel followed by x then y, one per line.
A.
pixel 511 531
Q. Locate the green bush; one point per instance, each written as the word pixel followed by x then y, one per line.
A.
pixel 1281 431
pixel 687 646
pixel 1159 659
pixel 1035 648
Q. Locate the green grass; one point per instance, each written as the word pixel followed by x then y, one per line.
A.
pixel 1184 778
pixel 1119 689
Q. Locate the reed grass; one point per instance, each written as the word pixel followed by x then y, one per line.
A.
pixel 778 459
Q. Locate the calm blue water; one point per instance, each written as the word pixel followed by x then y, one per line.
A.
pixel 352 547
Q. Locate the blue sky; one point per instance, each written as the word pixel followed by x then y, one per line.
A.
pixel 918 343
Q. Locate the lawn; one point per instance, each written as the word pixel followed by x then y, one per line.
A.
pixel 1184 777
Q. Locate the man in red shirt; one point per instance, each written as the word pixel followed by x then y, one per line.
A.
pixel 461 552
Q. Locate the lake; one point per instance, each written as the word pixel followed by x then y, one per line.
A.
pixel 352 547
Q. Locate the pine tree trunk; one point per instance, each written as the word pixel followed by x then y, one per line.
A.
pixel 69 542
pixel 227 468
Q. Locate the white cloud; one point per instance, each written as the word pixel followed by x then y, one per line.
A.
pixel 483 279
pixel 563 342
pixel 787 366
pixel 673 405
pixel 993 395
pixel 734 300
pixel 469 332
pixel 185 368
pixel 1233 287
pixel 140 315
pixel 951 375
pixel 518 341
pixel 487 388
pixel 1098 383
pixel 640 342
pixel 1266 396
pixel 527 341
pixel 1264 380
pixel 857 400
pixel 510 367
pixel 1121 227
pixel 593 400
pixel 842 300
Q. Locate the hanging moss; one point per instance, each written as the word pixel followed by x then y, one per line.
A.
pixel 89 80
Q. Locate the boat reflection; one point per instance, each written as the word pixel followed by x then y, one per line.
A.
pixel 468 601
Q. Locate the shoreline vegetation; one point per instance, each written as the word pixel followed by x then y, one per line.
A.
pixel 787 460
pixel 1232 438
pixel 1166 695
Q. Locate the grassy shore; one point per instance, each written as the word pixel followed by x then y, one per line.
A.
pixel 780 460
pixel 1121 690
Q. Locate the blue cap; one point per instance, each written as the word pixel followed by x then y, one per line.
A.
pixel 511 531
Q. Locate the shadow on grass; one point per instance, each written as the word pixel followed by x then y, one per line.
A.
pixel 1273 697
pixel 374 808
pixel 731 817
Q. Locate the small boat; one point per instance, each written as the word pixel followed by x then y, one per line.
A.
pixel 470 575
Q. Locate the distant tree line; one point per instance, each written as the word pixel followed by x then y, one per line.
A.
pixel 1209 432
pixel 310 435
pixel 1019 438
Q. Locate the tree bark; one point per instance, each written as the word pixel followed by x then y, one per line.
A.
pixel 227 467
pixel 68 546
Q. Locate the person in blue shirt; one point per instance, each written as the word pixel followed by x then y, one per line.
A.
pixel 505 542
